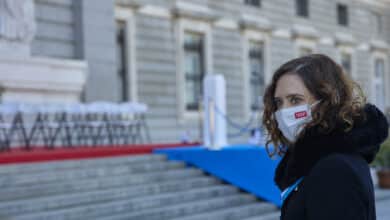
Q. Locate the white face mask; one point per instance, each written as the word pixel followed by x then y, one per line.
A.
pixel 291 120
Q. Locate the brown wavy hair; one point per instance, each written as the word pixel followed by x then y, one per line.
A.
pixel 342 99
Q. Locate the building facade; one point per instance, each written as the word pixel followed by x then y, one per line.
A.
pixel 158 51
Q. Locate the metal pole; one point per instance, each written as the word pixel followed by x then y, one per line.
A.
pixel 212 122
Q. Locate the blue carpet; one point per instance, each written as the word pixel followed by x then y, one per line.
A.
pixel 246 166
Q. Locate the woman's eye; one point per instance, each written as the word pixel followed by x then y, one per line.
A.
pixel 295 101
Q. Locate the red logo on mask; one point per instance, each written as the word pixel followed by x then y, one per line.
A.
pixel 300 114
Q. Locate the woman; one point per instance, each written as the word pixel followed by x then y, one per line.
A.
pixel 327 135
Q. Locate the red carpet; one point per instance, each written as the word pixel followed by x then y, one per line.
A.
pixel 42 154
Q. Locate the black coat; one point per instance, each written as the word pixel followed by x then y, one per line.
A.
pixel 337 184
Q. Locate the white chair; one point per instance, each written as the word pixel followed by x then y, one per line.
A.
pixel 21 124
pixel 76 123
pixel 53 119
pixel 8 112
pixel 134 121
pixel 96 120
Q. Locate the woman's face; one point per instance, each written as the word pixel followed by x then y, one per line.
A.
pixel 291 91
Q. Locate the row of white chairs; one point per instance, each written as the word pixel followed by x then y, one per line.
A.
pixel 73 108
pixel 76 124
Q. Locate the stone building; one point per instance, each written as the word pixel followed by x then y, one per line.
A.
pixel 157 51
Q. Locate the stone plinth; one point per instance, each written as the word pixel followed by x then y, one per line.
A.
pixel 41 79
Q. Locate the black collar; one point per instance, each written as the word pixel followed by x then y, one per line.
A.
pixel 363 139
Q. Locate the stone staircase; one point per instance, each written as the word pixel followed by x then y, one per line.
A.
pixel 146 187
pixel 382 200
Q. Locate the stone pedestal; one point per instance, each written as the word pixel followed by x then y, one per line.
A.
pixel 41 79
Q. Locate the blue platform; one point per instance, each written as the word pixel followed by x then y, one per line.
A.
pixel 246 166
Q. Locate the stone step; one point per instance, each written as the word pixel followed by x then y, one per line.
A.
pixel 382 194
pixel 147 187
pixel 268 216
pixel 188 208
pixel 39 190
pixel 382 209
pixel 118 207
pixel 92 172
pixel 18 206
pixel 238 212
pixel 76 199
pixel 29 168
